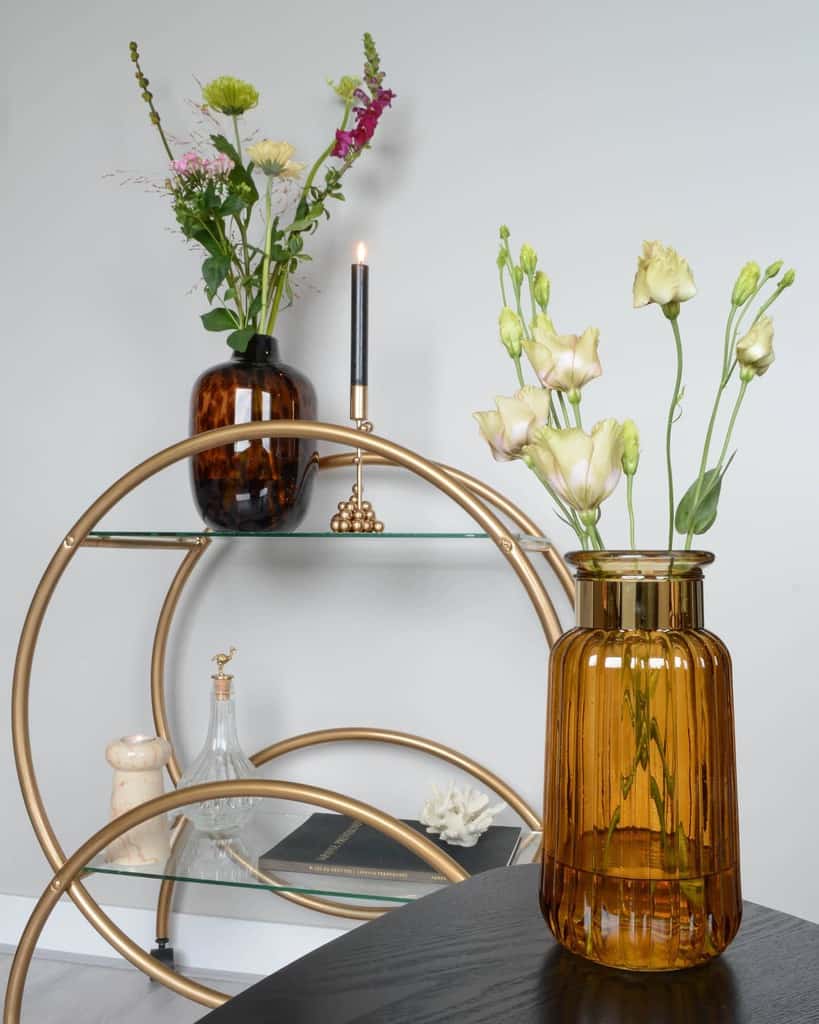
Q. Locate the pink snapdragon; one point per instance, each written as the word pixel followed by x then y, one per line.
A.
pixel 366 121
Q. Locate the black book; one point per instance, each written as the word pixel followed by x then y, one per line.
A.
pixel 333 844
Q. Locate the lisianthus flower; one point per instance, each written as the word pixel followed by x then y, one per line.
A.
pixel 581 469
pixel 513 422
pixel 662 276
pixel 230 96
pixel 755 350
pixel 565 362
pixel 273 158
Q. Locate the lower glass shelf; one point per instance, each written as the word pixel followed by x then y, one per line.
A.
pixel 235 862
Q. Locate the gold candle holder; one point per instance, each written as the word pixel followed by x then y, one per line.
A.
pixel 355 515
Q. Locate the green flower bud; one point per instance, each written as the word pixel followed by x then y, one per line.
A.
pixel 590 516
pixel 134 56
pixel 788 278
pixel 631 447
pixel 345 87
pixel 511 331
pixel 746 284
pixel 773 269
pixel 147 96
pixel 517 274
pixel 542 289
pixel 154 117
pixel 504 232
pixel 501 261
pixel 132 45
pixel 528 259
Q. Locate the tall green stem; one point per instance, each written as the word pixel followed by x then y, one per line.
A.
pixel 670 423
pixel 235 119
pixel 727 370
pixel 743 388
pixel 277 298
pixel 576 411
pixel 268 235
pixel 630 503
pixel 519 371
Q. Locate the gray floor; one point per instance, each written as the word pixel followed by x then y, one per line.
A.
pixel 64 992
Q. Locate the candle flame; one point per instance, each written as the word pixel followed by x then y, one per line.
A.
pixel 361 253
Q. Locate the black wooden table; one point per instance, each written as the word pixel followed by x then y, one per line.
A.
pixel 480 953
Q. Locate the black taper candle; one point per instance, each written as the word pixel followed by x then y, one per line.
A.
pixel 359 280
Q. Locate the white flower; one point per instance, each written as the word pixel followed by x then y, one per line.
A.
pixel 565 362
pixel 459 817
pixel 582 469
pixel 273 158
pixel 662 276
pixel 508 427
pixel 755 350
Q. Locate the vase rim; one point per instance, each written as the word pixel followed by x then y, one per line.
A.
pixel 642 564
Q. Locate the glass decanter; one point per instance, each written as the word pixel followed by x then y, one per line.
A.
pixel 221 759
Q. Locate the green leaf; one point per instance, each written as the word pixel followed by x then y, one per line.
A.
pixel 219 320
pixel 214 271
pixel 205 239
pixel 221 145
pixel 239 339
pixel 255 306
pixel 700 520
pixel 233 204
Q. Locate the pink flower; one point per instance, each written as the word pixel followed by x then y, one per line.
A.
pixel 366 120
pixel 188 163
pixel 219 165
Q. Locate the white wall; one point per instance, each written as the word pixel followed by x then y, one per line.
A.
pixel 586 127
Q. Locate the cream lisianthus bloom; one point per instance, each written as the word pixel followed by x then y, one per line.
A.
pixel 508 427
pixel 755 350
pixel 273 158
pixel 662 276
pixel 564 362
pixel 581 469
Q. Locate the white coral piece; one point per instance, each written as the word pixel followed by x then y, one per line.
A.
pixel 458 816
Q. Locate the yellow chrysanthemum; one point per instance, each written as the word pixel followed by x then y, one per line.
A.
pixel 230 96
pixel 274 159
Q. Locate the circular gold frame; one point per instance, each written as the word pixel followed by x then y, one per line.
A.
pixel 462 489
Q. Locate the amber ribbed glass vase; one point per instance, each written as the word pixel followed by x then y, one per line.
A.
pixel 641 846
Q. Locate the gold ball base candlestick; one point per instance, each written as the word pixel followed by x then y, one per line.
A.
pixel 355 515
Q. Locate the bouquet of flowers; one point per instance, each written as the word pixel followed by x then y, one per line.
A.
pixel 542 425
pixel 215 196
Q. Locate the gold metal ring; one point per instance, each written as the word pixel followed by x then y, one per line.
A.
pixel 73 867
pixel 370 443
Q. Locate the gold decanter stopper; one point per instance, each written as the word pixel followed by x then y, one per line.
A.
pixel 222 681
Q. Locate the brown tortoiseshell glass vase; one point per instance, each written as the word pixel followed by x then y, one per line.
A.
pixel 262 485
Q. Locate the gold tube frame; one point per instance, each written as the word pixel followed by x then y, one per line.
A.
pixel 373 446
pixel 64 879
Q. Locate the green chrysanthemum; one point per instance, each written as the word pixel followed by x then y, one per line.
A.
pixel 230 96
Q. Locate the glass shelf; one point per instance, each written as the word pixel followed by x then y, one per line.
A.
pixel 267 535
pixel 197 858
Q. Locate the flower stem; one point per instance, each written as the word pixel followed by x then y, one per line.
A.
pixel 671 409
pixel 268 235
pixel 277 298
pixel 235 119
pixel 576 410
pixel 502 286
pixel 727 370
pixel 630 503
pixel 562 400
pixel 519 371
pixel 743 388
